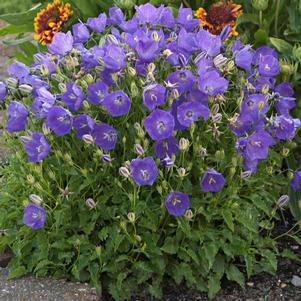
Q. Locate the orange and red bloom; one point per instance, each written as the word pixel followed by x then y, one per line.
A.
pixel 220 15
pixel 50 20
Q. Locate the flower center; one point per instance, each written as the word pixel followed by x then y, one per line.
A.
pixel 189 114
pixel 145 174
pixel 176 201
pixel 211 181
pixel 110 136
pixel 161 126
pixel 119 100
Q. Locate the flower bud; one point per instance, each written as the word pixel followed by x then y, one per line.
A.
pixel 167 53
pixel 139 130
pixel 134 89
pixel 215 109
pixel 112 39
pixel 131 217
pixel 282 201
pixel 167 162
pixel 182 172
pixel 88 78
pixel 297 52
pixel 290 175
pixel 155 36
pixel 138 149
pixel 285 152
pixel 86 105
pixel 220 155
pixel 67 157
pixel 105 158
pixel 183 144
pixel 25 89
pixel 123 171
pixel 188 214
pixel 98 250
pixel 138 238
pixel 174 94
pixel 202 152
pixel 230 66
pixel 131 71
pixel 217 117
pixel 51 175
pixel 287 68
pixel 269 170
pixel 45 129
pixel 35 199
pixel 246 174
pixel 11 83
pixel 88 139
pixel 90 203
pixel 264 90
pixel 232 171
pixel 219 61
pixel 30 179
pixel 260 5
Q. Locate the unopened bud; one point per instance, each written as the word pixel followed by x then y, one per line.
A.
pixel 260 5
pixel 131 217
pixel 283 200
pixel 182 172
pixel 290 175
pixel 25 89
pixel 167 162
pixel 270 170
pixel 132 71
pixel 232 171
pixel 285 152
pixel 62 87
pixel 67 157
pixel 51 175
pixel 203 152
pixel 134 90
pixel 215 109
pixel 188 214
pixel 45 129
pixel 138 238
pixel 246 174
pixel 138 149
pixel 151 68
pixel 123 171
pixel 155 36
pixel 220 155
pixel 30 179
pixel 112 39
pixel 105 158
pixel 90 203
pixel 86 105
pixel 35 199
pixel 89 78
pixel 167 53
pixel 217 117
pixel 11 83
pixel 98 250
pixel 88 139
pixel 220 60
pixel 264 90
pixel 139 130
pixel 183 144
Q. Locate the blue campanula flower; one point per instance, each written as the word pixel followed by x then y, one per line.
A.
pixel 197 95
pixel 225 33
pixel 97 92
pixel 105 136
pixel 80 33
pixel 17 117
pixel 204 64
pixel 18 70
pixel 189 112
pixel 59 120
pixel 212 84
pixel 167 162
pixel 268 66
pixel 116 16
pixel 153 96
pixel 83 124
pixel 98 24
pixel 3 91
pixel 167 18
pixel 209 43
pixel 144 171
pixel 187 42
pixel 117 103
pixel 37 147
pixel 73 97
pixel 182 80
pixel 296 181
pixel 114 58
pixel 212 181
pixel 147 49
pixel 244 58
pixel 166 147
pixel 284 104
pixel 263 51
pixel 283 127
pixel 42 103
pixel 159 124
pixel 147 13
pixel 285 89
pixel 89 58
pixel 61 43
pixel 254 107
pixel 34 216
pixel 186 20
pixel 241 124
pixel 177 203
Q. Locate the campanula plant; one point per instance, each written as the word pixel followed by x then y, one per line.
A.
pixel 153 150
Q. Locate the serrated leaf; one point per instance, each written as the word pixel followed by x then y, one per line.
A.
pixel 271 257
pixel 16 42
pixel 228 217
pixel 214 286
pixel 18 272
pixel 282 46
pixel 234 274
pixel 211 250
pixel 170 246
pixel 290 255
pixel 249 264
pixel 15 29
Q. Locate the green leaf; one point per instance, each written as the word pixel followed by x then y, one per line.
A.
pixel 249 264
pixel 234 274
pixel 15 42
pixel 18 272
pixel 211 250
pixel 290 255
pixel 29 48
pixel 88 8
pixel 282 46
pixel 261 36
pixel 271 258
pixel 170 246
pixel 214 286
pixel 23 18
pixel 15 29
pixel 248 18
pixel 297 239
pixel 227 215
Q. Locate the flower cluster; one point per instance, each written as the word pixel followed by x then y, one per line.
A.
pixel 181 88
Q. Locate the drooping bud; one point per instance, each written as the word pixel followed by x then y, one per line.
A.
pixel 36 199
pixel 138 149
pixel 124 172
pixel 88 139
pixel 25 89
pixel 282 201
pixel 90 203
pixel 183 144
pixel 131 217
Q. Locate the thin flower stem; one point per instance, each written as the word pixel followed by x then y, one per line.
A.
pixel 287 232
pixel 277 16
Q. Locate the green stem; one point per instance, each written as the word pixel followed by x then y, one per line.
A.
pixel 260 19
pixel 287 232
pixel 277 16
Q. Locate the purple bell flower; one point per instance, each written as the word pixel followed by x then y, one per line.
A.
pixel 117 103
pixel 189 112
pixel 80 33
pixel 144 171
pixel 182 80
pixel 147 13
pixel 159 124
pixel 186 20
pixel 34 216
pixel 59 120
pixel 285 89
pixel 167 18
pixel 209 43
pixel 97 92
pixel 61 43
pixel 167 162
pixel 84 125
pixel 263 51
pixel 283 105
pixel 268 66
pixel 212 84
pixel 18 70
pixel 283 127
pixel 37 147
pixel 153 96
pixel 254 107
pixel 204 65
pixel 98 24
pixel 177 203
pixel 42 103
pixel 73 97
pixel 212 181
pixel 225 33
pixel 187 42
pixel 105 136
pixel 147 49
pixel 114 58
pixel 17 117
pixel 166 147
pixel 244 58
pixel 296 181
pixel 2 91
pixel 241 124
pixel 116 16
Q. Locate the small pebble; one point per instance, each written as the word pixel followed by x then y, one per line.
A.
pixel 250 284
pixel 283 285
pixel 296 281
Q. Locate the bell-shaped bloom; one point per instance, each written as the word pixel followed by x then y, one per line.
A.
pixel 147 13
pixel 209 43
pixel 244 58
pixel 80 33
pixel 116 16
pixel 285 89
pixel 225 33
pixel 268 66
pixel 117 103
pixel 284 104
pixel 204 65
pixel 186 20
pixel 187 42
pixel 189 112
pixel 212 84
pixel 42 103
pixel 59 120
pixel 212 181
pixel 17 117
pixel 283 127
pixel 166 147
pixel 34 216
pixel 159 124
pixel 37 147
pixel 98 24
pixel 114 58
pixel 153 96
pixel 105 136
pixel 296 181
pixel 18 70
pixel 3 91
pixel 263 51
pixel 182 80
pixel 147 49
pixel 167 18
pixel 144 171
pixel 241 124
pixel 61 43
pixel 177 203
pixel 84 125
pixel 73 97
pixel 97 92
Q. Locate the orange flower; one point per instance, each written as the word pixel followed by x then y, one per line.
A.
pixel 50 20
pixel 219 15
